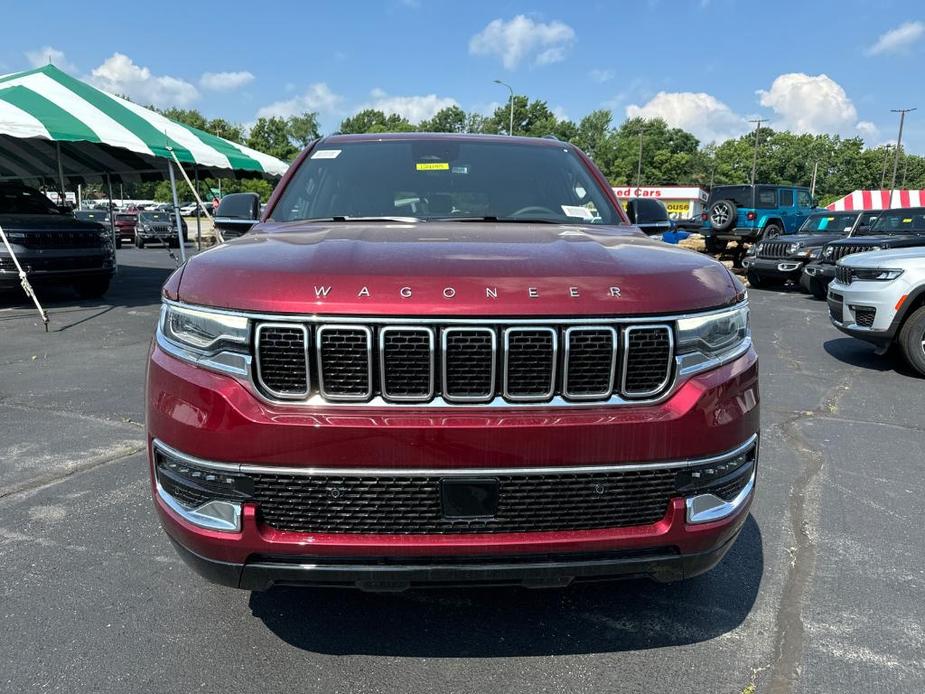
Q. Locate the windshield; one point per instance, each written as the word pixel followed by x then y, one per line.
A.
pixel 830 223
pixel 154 217
pixel 911 221
pixel 445 179
pixel 21 200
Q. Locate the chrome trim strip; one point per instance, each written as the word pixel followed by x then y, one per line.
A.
pixel 505 359
pixel 452 399
pixel 565 360
pixel 363 397
pixel 245 468
pixel 382 369
pixel 436 320
pixel 626 353
pixel 306 336
pixel 227 518
pixel 705 508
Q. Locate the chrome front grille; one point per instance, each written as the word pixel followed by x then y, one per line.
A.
pixel 840 251
pixel 462 364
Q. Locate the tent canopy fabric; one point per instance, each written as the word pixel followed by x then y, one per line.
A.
pixel 99 133
pixel 879 200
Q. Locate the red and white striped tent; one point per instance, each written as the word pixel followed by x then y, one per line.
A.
pixel 878 200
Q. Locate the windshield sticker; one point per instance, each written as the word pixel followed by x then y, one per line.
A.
pixel 824 222
pixel 577 211
pixel 907 220
pixel 432 166
pixel 326 154
pixel 460 169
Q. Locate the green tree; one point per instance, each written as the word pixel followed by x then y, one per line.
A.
pixel 451 119
pixel 271 135
pixel 304 128
pixel 374 121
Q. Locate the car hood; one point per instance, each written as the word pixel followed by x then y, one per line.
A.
pixel 453 268
pixel 914 255
pixel 810 240
pixel 44 222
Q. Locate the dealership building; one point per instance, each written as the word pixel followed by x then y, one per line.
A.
pixel 683 202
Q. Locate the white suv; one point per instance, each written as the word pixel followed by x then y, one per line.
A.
pixel 879 297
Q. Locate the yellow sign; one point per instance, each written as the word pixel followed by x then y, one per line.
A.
pixel 677 206
pixel 433 166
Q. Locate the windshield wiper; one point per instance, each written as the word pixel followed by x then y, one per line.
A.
pixel 343 218
pixel 498 220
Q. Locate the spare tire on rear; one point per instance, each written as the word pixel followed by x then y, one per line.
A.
pixel 723 215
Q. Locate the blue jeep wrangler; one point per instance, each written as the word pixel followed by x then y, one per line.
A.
pixel 747 213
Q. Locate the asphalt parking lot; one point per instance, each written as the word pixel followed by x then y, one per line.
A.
pixel 821 593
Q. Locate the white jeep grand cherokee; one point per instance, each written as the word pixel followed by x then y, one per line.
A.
pixel 879 297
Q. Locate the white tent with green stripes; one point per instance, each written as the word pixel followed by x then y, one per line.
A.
pixel 54 126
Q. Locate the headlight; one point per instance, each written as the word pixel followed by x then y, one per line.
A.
pixel 875 274
pixel 146 227
pixel 759 248
pixel 714 333
pixel 793 248
pixel 827 252
pixel 202 330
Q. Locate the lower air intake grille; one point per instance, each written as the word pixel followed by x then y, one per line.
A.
pixel 864 316
pixel 411 505
pixel 282 359
pixel 647 359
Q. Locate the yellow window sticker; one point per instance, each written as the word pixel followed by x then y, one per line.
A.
pixel 432 166
pixel 907 220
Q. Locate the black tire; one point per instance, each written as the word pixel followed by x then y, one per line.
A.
pixel 818 288
pixel 771 231
pixel 912 340
pixel 761 281
pixel 723 215
pixel 714 245
pixel 139 242
pixel 92 288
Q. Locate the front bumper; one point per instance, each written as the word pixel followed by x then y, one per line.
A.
pixel 734 234
pixel 866 310
pixel 56 266
pixel 785 268
pixel 214 417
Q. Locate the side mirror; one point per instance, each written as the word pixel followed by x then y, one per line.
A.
pixel 631 211
pixel 236 214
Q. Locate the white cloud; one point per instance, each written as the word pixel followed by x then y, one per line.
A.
pixel 47 54
pixel 868 130
pixel 898 39
pixel 704 115
pixel 225 81
pixel 414 108
pixel 318 97
pixel 601 76
pixel 118 74
pixel 809 104
pixel 522 38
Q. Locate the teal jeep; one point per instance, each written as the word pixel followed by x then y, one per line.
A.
pixel 747 213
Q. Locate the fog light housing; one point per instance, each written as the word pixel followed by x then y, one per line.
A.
pixel 203 495
pixel 718 489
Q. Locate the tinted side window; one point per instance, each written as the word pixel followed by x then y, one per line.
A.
pixel 804 199
pixel 765 198
pixel 786 198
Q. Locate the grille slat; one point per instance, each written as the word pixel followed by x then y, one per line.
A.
pixel 773 249
pixel 471 364
pixel 647 359
pixel 839 251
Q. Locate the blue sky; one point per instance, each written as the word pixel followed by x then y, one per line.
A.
pixel 706 65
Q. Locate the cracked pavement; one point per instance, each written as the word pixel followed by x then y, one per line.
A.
pixel 821 593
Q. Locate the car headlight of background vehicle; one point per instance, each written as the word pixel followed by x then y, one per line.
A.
pixel 827 252
pixel 715 334
pixel 878 274
pixel 793 248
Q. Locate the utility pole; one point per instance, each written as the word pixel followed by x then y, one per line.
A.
pixel 886 161
pixel 505 84
pixel 757 123
pixel 639 164
pixel 899 143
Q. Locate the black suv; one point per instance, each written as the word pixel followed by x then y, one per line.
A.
pixel 774 261
pixel 900 228
pixel 52 246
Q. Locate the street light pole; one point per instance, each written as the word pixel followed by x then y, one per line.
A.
pixel 757 123
pixel 899 143
pixel 639 163
pixel 511 89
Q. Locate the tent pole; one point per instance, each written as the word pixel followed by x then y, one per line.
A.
pixel 24 280
pixel 218 237
pixel 112 220
pixel 198 211
pixel 61 195
pixel 176 211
